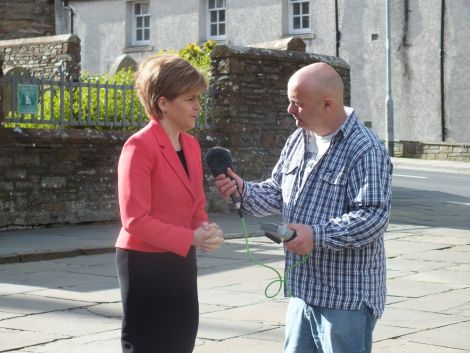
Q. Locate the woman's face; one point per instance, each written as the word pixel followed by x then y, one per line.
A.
pixel 183 111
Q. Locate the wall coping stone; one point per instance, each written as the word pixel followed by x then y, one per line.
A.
pixel 222 51
pixel 289 43
pixel 427 143
pixel 20 42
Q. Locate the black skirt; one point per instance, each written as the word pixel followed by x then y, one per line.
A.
pixel 159 299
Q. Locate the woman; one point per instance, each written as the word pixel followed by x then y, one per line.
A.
pixel 161 199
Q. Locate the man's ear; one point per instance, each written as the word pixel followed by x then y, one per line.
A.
pixel 328 103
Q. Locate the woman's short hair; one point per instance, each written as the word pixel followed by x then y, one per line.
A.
pixel 165 75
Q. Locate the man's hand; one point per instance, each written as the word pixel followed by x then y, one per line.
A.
pixel 302 244
pixel 227 184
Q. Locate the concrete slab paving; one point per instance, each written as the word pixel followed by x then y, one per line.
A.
pixel 71 323
pixel 397 247
pixel 24 304
pixel 221 329
pixel 406 287
pixel 237 345
pixel 416 319
pixel 272 335
pixel 402 346
pixel 448 302
pixel 103 342
pixel 447 255
pixel 4 315
pixel 102 292
pixel 72 304
pixel 272 312
pixel 448 239
pixel 225 295
pixel 461 267
pixel 54 279
pixel 401 263
pixel 385 332
pixel 109 310
pixel 443 276
pixel 10 289
pixel 11 339
pixel 452 336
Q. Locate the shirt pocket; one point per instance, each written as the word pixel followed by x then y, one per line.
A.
pixel 335 178
pixel 289 173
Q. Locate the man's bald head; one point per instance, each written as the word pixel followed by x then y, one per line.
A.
pixel 322 79
pixel 315 95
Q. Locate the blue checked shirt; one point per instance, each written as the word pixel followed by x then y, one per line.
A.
pixel 346 199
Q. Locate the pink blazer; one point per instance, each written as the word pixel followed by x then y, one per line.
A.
pixel 160 205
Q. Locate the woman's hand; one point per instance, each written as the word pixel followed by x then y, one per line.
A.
pixel 208 237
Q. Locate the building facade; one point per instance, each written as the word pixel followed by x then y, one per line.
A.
pixel 430 47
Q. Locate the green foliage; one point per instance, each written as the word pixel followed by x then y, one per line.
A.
pixel 93 105
pixel 102 100
pixel 199 57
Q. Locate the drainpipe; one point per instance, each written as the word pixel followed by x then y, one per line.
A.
pixel 442 54
pixel 65 4
pixel 338 33
pixel 389 136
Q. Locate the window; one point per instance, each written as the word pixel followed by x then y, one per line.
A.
pixel 216 19
pixel 299 16
pixel 140 23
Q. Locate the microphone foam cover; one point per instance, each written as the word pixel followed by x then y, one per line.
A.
pixel 218 159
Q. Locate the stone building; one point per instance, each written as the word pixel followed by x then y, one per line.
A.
pixel 26 18
pixel 430 46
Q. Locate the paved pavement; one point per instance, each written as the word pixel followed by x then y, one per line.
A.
pixel 59 291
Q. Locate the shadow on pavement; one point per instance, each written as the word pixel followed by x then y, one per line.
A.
pixel 430 208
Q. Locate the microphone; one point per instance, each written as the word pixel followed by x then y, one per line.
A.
pixel 219 159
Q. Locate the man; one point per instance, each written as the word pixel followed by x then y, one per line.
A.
pixel 332 185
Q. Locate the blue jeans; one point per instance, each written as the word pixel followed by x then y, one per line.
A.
pixel 313 329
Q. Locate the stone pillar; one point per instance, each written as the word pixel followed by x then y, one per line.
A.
pixel 252 101
pixel 2 114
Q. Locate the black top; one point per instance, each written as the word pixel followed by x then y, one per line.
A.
pixel 183 161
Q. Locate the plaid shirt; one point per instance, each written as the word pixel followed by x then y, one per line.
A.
pixel 346 199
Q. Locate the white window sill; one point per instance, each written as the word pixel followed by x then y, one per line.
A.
pixel 300 35
pixel 137 48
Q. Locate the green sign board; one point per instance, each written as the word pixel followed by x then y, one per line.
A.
pixel 27 99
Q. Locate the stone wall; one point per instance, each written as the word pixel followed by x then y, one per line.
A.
pixel 252 101
pixel 42 55
pixel 26 18
pixel 53 176
pixel 69 176
pixel 428 150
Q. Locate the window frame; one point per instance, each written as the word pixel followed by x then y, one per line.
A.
pixel 290 14
pixel 135 41
pixel 209 22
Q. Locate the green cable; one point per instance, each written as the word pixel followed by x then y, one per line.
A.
pixel 279 279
